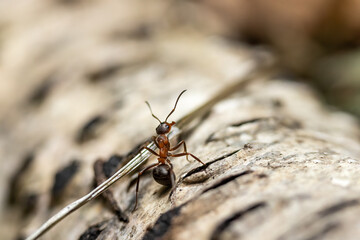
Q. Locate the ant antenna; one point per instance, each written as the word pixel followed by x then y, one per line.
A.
pixel 175 105
pixel 152 112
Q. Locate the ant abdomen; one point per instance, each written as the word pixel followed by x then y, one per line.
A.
pixel 164 175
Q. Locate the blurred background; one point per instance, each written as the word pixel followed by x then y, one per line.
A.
pixel 313 40
pixel 66 63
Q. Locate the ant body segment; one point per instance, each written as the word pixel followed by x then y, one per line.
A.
pixel 163 170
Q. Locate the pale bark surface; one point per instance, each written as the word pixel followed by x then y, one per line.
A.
pixel 280 164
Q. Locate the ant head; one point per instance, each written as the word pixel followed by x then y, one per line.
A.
pixel 165 127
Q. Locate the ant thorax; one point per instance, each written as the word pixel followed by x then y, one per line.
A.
pixel 162 140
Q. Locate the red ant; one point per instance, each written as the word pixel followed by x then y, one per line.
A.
pixel 162 172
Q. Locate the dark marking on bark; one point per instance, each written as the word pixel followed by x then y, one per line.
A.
pixel 41 92
pixel 227 180
pixel 62 179
pixel 30 204
pixel 93 231
pixel 216 235
pixel 104 73
pixel 211 137
pixel 291 124
pixel 163 224
pixel 277 103
pixel 338 207
pixel 325 230
pixel 248 146
pixel 87 132
pixel 13 197
pixel 140 32
pixel 204 167
pixel 261 175
pixel 247 122
pixel 69 3
pixel 20 237
pixel 143 31
pixel 108 195
pixel 111 165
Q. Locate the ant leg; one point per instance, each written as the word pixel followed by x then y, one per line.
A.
pixel 170 164
pixel 138 181
pixel 173 184
pixel 178 145
pixel 184 154
pixel 172 176
pixel 150 150
pixel 154 140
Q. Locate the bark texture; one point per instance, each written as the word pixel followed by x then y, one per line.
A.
pixel 279 164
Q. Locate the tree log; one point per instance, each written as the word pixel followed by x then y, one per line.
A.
pixel 279 163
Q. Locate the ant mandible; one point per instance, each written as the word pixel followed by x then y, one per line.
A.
pixel 163 170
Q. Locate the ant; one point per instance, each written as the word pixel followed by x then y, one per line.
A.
pixel 163 170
